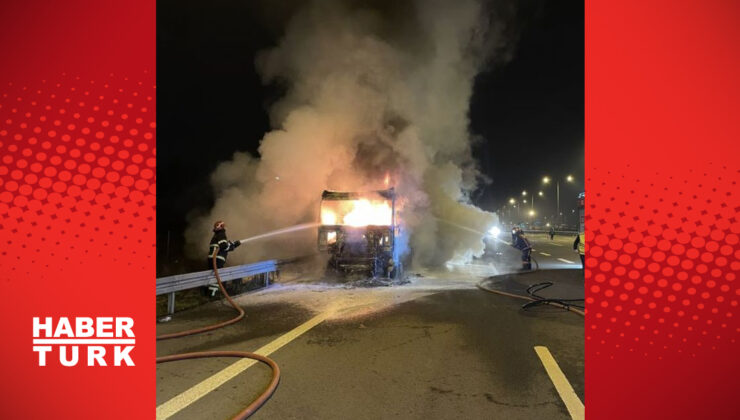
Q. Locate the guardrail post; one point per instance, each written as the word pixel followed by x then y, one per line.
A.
pixel 171 303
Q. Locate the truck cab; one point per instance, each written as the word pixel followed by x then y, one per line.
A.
pixel 358 233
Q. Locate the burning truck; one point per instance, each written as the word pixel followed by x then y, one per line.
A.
pixel 359 233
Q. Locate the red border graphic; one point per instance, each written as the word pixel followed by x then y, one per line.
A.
pixel 77 198
pixel 78 184
pixel 661 209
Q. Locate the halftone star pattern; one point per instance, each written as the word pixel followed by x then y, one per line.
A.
pixel 77 173
pixel 662 260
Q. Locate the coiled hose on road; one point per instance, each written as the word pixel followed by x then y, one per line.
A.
pixel 535 299
pixel 271 387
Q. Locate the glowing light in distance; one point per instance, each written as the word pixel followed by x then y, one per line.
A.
pixel 494 231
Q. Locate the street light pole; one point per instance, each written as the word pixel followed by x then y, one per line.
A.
pixel 546 180
pixel 557 187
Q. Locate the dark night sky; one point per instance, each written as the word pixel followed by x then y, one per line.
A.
pixel 527 113
pixel 530 111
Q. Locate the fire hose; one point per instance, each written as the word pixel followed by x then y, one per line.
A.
pixel 271 387
pixel 535 299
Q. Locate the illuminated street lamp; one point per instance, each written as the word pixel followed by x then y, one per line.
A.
pixel 524 193
pixel 540 193
pixel 512 201
pixel 531 212
pixel 546 180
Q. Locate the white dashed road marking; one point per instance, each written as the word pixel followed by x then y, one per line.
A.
pixel 565 390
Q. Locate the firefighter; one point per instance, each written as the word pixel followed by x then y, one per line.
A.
pixel 580 245
pixel 522 244
pixel 220 245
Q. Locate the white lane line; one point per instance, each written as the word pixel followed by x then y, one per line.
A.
pixel 567 394
pixel 545 254
pixel 198 391
pixel 566 261
pixel 554 244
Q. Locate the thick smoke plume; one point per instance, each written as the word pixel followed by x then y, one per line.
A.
pixel 369 91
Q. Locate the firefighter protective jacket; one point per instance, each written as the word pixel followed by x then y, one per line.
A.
pixel 522 243
pixel 221 244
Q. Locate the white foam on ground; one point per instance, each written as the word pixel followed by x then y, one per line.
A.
pixel 346 301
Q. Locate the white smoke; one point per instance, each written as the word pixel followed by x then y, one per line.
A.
pixel 369 92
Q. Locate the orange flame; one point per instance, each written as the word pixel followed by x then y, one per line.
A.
pixel 361 212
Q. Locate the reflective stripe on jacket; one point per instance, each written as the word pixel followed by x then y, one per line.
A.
pixel 220 244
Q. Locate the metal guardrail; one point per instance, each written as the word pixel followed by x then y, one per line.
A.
pixel 177 283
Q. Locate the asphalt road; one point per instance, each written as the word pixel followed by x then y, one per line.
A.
pixel 550 254
pixel 435 348
pixel 556 253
